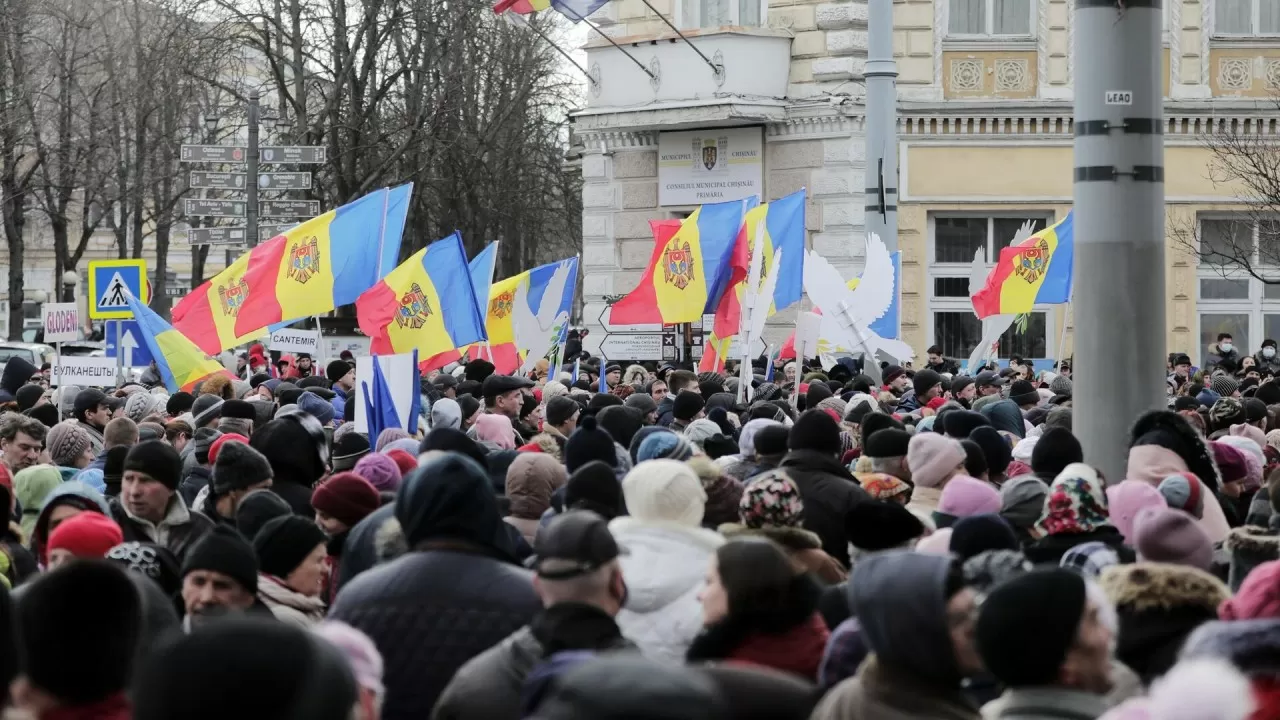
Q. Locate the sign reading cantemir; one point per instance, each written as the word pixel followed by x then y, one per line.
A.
pixel 705 166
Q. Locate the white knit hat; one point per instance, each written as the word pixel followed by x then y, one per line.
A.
pixel 664 490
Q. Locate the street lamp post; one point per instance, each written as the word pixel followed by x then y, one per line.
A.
pixel 69 280
pixel 251 182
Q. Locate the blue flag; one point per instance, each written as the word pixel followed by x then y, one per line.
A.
pixel 380 409
pixel 578 10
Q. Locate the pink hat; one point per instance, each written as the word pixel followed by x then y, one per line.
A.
pixel 1171 536
pixel 932 458
pixel 965 496
pixel 938 543
pixel 1258 596
pixel 1127 499
pixel 1250 431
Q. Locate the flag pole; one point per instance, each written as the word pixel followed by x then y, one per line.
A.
pixel 575 16
pixel 1060 351
pixel 382 237
pixel 717 69
pixel 319 342
pixel 556 47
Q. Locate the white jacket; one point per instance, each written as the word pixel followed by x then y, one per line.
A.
pixel 665 567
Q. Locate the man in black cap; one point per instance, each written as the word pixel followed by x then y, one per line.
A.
pixel 219 577
pixel 581 587
pixel 302 363
pixel 1067 667
pixel 238 471
pixel 688 406
pixel 896 380
pixel 925 386
pixel 504 395
pixel 447 385
pixel 612 375
pixel 988 383
pixel 561 418
pixel 887 451
pixel 341 375
pixel 92 413
pixel 149 508
pixel 644 403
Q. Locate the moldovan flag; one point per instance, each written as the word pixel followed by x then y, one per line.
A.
pixel 326 261
pixel 180 362
pixel 521 7
pixel 481 268
pixel 207 315
pixel 505 352
pixel 1036 272
pixel 426 304
pixel 688 273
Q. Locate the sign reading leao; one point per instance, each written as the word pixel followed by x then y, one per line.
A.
pixel 706 166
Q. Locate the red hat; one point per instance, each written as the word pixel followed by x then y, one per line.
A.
pixel 530 447
pixel 346 497
pixel 537 394
pixel 407 462
pixel 213 448
pixel 88 535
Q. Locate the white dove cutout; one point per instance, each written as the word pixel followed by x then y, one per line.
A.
pixel 996 325
pixel 538 334
pixel 847 314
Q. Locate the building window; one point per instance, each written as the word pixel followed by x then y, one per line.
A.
pixel 1229 299
pixel 989 18
pixel 954 240
pixel 720 13
pixel 1247 17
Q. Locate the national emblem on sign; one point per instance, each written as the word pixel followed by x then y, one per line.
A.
pixel 1033 261
pixel 232 296
pixel 710 152
pixel 677 264
pixel 501 306
pixel 415 308
pixel 304 260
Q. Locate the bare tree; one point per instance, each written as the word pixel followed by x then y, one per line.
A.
pixel 17 162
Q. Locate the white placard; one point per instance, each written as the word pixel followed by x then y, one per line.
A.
pixel 61 322
pixel 632 346
pixel 706 166
pixel 335 344
pixel 84 371
pixel 398 371
pixel 296 341
pixel 808 328
pixel 1118 97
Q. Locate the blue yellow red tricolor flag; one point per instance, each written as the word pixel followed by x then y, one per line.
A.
pixel 688 272
pixel 180 362
pixel 501 315
pixel 207 315
pixel 521 7
pixel 427 303
pixel 1035 272
pixel 481 268
pixel 325 262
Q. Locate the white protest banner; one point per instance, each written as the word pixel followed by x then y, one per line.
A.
pixel 61 322
pixel 398 372
pixel 84 371
pixel 296 341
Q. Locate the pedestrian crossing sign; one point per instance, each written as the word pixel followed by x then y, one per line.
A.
pixel 110 284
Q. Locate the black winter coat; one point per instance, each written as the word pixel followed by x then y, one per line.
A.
pixel 431 611
pixel 829 492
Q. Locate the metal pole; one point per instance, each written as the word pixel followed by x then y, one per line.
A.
pixel 717 69
pixel 1119 203
pixel 251 182
pixel 556 47
pixel 882 126
pixel 575 16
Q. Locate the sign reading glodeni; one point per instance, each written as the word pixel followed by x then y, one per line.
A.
pixel 706 166
pixel 61 322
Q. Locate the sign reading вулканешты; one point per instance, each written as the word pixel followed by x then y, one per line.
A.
pixel 84 371
pixel 706 166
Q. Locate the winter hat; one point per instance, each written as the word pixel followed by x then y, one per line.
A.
pixel 1224 385
pixel 225 551
pixel 815 430
pixel 87 535
pixel 358 649
pixel 238 467
pixel 1090 559
pixel 964 496
pixel 452 440
pixel 876 421
pixel 390 435
pixel 212 452
pixel 893 372
pixel 622 423
pixel 995 449
pixel 664 490
pixel 883 487
pixel 348 450
pixel 1076 502
pixel 1183 491
pixel 47 414
pixel 1251 432
pixel 531 479
pixel 560 408
pixel 1165 535
pixel 986 570
pixel 687 405
pixel 1047 605
pixel 316 406
pixel 203 440
pixel 816 393
pixel 28 395
pixel 887 443
pixel 833 404
pixel 876 525
pixel 771 499
pixel 980 533
pixel 156 459
pixel 595 487
pixel 380 471
pixel 1022 392
pixel 295 445
pixel 1258 596
pixel 86 399
pixel 772 441
pixel 1060 385
pixel 205 410
pixel 405 460
pixel 1231 462
pixel 347 497
pixel 1207 398
pixel 666 445
pixel 1056 449
pixel 642 402
pixel 66 443
pixel 933 458
pixel 1254 459
pixel 975 463
pixel 336 370
pixel 924 381
pixel 960 423
pixel 1128 498
pixel 284 542
pixel 589 442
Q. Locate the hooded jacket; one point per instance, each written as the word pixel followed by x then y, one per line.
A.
pixel 457 593
pixel 900 600
pixel 665 569
pixel 294 443
pixel 829 492
pixel 68 493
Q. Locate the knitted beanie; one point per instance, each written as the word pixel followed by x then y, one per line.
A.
pixel 1128 498
pixel 225 551
pixel 977 534
pixel 66 443
pixel 815 430
pixel 1056 449
pixel 965 496
pixel 664 445
pixel 381 471
pixel 1165 535
pixel 1224 385
pixel 664 491
pixel 1183 491
pixel 595 487
pixel 995 449
pixel 1047 605
pixel 388 436
pixel 589 442
pixel 238 467
pixel 87 535
pixel 406 460
pixel 140 405
pixel 283 543
pixel 336 370
pixel 932 458
pixel 1258 596
pixel 770 499
pixel 156 459
pixel 346 497
pixel 317 407
pixel 687 405
pixel 887 443
pixel 960 423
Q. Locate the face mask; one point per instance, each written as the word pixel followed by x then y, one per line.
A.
pixel 1268 352
pixel 1226 347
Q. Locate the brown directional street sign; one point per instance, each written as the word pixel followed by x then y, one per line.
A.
pixel 213 153
pixel 216 180
pixel 217 236
pixel 289 208
pixel 303 154
pixel 196 207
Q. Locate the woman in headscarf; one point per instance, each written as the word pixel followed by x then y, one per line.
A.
pixel 496 430
pixel 1075 513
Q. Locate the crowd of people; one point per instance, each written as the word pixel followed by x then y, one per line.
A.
pixel 642 542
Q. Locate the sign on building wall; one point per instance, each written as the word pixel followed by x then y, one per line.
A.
pixel 704 166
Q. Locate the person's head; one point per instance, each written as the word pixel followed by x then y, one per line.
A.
pixel 21 440
pixel 896 379
pixel 152 470
pixel 1182 365
pixel 815 430
pixel 93 408
pixel 365 660
pixel 1065 615
pixel 562 414
pixel 680 380
pixel 750 579
pixel 219 575
pixel 935 354
pixel 658 390
pixel 1225 342
pixel 84 535
pixel 303 363
pixel 504 395
pixel 927 384
pixel 68 657
pixel 934 459
pixel 613 374
pixel 177 433
pixel 121 432
pixel 292 549
pixel 688 406
pixel 237 471
pixel 343 500
pixel 576 561
pixel 988 383
pixel 341 374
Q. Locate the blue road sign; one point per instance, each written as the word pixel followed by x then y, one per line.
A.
pixel 111 282
pixel 135 350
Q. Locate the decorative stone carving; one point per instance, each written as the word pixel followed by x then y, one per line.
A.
pixel 1235 73
pixel 1012 75
pixel 966 75
pixel 1273 74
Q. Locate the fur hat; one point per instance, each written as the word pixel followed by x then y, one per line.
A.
pixel 1170 430
pixel 238 467
pixel 346 497
pixel 664 490
pixel 933 458
pixel 877 525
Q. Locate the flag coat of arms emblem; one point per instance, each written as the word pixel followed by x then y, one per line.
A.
pixel 304 259
pixel 415 308
pixel 232 296
pixel 502 304
pixel 677 265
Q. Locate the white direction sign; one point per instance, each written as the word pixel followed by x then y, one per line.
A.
pixel 84 371
pixel 296 341
pixel 61 322
pixel 632 346
pixel 284 181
